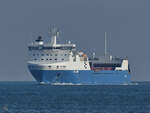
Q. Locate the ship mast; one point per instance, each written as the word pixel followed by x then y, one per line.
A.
pixel 105 44
pixel 53 32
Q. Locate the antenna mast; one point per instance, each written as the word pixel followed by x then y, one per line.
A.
pixel 53 32
pixel 105 44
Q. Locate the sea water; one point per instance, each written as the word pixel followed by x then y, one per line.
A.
pixel 29 97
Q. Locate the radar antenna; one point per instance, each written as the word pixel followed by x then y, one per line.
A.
pixel 53 31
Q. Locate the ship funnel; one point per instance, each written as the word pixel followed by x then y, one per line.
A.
pixel 53 32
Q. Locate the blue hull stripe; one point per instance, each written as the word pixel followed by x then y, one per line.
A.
pixel 81 77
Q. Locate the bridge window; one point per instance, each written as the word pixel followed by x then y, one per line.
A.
pixel 47 54
pixel 42 59
pixel 42 54
pixel 55 58
pixel 46 59
pixel 62 59
pixel 50 59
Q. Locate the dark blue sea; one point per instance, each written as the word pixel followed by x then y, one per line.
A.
pixel 29 97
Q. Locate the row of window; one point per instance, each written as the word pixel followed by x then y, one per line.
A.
pixel 51 67
pixel 58 67
pixel 49 59
pixel 48 55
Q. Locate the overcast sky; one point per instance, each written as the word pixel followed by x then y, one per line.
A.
pixel 81 21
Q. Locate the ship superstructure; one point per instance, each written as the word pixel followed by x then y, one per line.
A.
pixel 54 63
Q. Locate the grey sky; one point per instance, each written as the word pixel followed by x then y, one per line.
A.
pixel 81 21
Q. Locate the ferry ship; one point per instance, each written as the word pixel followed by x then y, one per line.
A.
pixel 52 63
